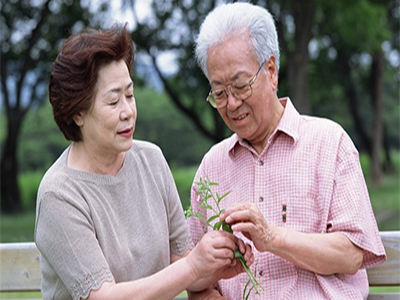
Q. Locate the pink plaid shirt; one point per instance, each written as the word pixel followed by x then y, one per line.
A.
pixel 311 167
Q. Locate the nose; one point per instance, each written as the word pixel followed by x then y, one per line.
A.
pixel 127 109
pixel 232 101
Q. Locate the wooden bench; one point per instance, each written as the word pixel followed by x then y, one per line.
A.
pixel 19 267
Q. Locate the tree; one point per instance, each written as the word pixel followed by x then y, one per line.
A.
pixel 354 33
pixel 172 28
pixel 295 21
pixel 30 36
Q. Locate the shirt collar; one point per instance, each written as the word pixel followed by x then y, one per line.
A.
pixel 289 124
pixel 290 120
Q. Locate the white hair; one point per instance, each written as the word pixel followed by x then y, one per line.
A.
pixel 238 18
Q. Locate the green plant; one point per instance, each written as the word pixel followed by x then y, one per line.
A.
pixel 204 189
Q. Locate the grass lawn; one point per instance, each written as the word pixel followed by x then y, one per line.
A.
pixel 35 295
pixel 27 295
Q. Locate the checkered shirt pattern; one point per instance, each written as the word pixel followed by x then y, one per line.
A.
pixel 311 167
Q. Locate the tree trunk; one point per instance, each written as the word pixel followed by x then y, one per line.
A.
pixel 377 89
pixel 352 100
pixel 10 196
pixel 298 58
pixel 388 166
pixel 298 82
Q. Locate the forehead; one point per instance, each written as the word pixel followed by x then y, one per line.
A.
pixel 233 56
pixel 115 72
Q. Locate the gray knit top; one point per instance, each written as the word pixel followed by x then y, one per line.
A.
pixel 92 228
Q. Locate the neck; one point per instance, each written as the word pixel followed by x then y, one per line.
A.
pixel 259 146
pixel 82 158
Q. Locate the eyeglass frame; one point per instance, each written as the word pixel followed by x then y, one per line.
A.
pixel 228 88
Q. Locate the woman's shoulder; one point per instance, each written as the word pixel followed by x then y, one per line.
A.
pixel 55 177
pixel 141 145
pixel 146 149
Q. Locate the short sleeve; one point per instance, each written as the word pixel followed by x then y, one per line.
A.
pixel 350 210
pixel 67 242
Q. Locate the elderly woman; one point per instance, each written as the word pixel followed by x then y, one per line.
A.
pixel 109 220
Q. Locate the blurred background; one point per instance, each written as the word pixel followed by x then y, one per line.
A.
pixel 340 60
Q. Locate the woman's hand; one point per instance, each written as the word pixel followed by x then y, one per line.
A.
pixel 208 294
pixel 213 252
pixel 236 267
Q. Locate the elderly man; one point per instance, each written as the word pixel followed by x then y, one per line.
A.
pixel 297 188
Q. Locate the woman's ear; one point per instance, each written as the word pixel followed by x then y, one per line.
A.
pixel 78 119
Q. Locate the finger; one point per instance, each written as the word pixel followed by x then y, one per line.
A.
pixel 246 215
pixel 244 227
pixel 241 246
pixel 248 255
pixel 223 253
pixel 234 208
pixel 224 239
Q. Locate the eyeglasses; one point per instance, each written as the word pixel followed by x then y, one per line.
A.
pixel 240 91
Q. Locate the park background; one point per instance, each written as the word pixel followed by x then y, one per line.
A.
pixel 339 59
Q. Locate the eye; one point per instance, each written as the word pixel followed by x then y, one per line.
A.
pixel 241 86
pixel 114 103
pixel 219 93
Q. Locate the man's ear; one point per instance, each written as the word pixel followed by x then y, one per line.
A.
pixel 272 71
pixel 78 119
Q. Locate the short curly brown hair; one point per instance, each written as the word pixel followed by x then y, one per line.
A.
pixel 75 72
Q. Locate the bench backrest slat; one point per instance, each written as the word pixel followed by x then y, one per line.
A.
pixel 20 271
pixel 19 267
pixel 387 273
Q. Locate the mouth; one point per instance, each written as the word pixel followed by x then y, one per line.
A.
pixel 241 117
pixel 126 131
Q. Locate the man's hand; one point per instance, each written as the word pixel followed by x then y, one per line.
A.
pixel 247 218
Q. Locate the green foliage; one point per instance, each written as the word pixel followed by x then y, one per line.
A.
pixel 349 33
pixel 359 24
pixel 183 179
pixel 29 184
pixel 41 142
pixel 170 29
pixel 159 121
pixel 17 228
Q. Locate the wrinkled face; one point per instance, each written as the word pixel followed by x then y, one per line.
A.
pixel 232 62
pixel 109 125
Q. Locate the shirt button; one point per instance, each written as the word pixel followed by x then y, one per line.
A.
pixel 261 199
pixel 260 163
pixel 261 273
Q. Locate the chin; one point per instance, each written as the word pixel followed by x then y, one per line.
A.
pixel 126 146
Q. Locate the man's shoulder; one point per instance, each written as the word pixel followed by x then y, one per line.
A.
pixel 319 126
pixel 222 148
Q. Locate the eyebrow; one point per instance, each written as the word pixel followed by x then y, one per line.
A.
pixel 119 90
pixel 233 78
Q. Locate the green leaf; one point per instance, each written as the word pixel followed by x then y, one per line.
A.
pixel 226 194
pixel 212 218
pixel 217 225
pixel 226 227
